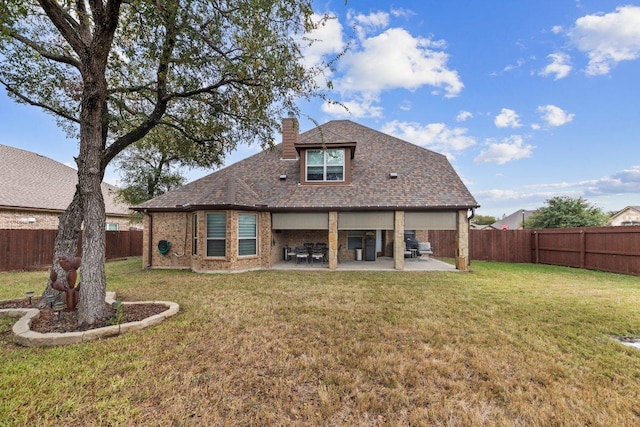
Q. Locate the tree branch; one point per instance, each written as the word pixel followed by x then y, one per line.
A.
pixel 42 51
pixel 161 91
pixel 46 107
pixel 59 18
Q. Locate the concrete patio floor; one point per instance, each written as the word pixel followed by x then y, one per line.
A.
pixel 380 264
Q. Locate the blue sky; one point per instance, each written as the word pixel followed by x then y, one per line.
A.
pixel 529 99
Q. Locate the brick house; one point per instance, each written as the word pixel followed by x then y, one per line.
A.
pixel 35 190
pixel 339 183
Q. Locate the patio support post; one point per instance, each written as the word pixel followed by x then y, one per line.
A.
pixel 462 241
pixel 333 240
pixel 398 240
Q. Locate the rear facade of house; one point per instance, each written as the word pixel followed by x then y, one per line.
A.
pixel 341 184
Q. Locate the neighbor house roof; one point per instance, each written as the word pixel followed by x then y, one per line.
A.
pixel 425 179
pixel 35 182
pixel 513 221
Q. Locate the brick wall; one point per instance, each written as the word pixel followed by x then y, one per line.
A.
pixel 176 227
pixel 11 219
pixel 25 220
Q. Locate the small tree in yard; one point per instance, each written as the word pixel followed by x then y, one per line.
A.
pixel 567 212
pixel 111 71
pixel 149 167
pixel 483 219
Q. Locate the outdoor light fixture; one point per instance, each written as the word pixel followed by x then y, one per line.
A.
pixel 393 175
pixel 50 300
pixel 29 294
pixel 58 307
pixel 283 177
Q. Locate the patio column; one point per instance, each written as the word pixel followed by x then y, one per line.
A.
pixel 333 240
pixel 398 240
pixel 462 241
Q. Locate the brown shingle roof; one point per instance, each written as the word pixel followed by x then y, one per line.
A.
pixel 32 181
pixel 426 180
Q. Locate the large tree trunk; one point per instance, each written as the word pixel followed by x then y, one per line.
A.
pixel 66 243
pixel 91 304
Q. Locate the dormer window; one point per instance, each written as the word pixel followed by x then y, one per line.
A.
pixel 325 165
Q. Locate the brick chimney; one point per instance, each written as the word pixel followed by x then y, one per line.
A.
pixel 289 137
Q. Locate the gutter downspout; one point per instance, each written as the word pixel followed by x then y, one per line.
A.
pixel 473 214
pixel 150 240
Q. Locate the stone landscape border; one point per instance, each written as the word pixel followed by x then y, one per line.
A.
pixel 23 335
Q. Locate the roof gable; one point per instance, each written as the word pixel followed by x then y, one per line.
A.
pixel 626 210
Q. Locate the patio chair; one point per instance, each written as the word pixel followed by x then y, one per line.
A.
pixel 319 252
pixel 302 253
pixel 425 248
pixel 407 251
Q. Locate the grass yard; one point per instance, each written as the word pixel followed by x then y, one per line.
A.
pixel 506 344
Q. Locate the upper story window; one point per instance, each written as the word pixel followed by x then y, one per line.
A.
pixel 325 165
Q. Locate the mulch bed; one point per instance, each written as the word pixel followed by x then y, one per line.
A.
pixel 67 321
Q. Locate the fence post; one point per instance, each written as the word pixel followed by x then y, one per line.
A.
pixel 582 248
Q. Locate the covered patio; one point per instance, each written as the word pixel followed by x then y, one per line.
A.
pixel 381 236
pixel 380 264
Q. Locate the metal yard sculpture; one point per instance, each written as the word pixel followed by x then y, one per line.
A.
pixel 70 265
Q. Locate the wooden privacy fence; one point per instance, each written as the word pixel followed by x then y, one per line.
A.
pixel 614 249
pixel 33 249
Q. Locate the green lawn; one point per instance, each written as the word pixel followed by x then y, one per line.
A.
pixel 505 344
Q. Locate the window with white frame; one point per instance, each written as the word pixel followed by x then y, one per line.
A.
pixel 247 234
pixel 194 231
pixel 112 226
pixel 325 165
pixel 216 234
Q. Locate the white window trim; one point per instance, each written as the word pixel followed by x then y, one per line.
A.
pixel 325 165
pixel 226 226
pixel 248 238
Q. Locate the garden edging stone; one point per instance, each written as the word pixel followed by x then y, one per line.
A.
pixel 23 335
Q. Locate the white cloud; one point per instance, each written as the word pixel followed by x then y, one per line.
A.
pixel 325 40
pixel 365 24
pixel 510 195
pixel 519 63
pixel 434 136
pixel 608 39
pixel 396 59
pixel 613 191
pixel 507 118
pixel 509 149
pixel 559 66
pixel 557 29
pixel 354 109
pixel 623 182
pixel 555 116
pixel 463 116
pixel 402 13
pixel 406 105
